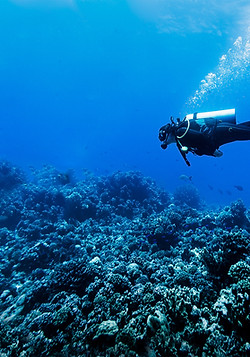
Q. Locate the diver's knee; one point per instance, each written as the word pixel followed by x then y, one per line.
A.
pixel 217 153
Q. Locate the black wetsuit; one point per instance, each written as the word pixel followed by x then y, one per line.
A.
pixel 204 136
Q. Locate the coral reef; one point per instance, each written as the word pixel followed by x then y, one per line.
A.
pixel 187 194
pixel 115 266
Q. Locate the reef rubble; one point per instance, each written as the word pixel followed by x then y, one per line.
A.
pixel 115 266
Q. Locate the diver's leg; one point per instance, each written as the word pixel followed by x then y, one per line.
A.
pixel 246 123
pixel 226 133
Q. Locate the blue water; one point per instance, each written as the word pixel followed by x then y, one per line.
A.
pixel 87 84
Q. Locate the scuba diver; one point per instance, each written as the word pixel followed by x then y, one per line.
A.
pixel 204 133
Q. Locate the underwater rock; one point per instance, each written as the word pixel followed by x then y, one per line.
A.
pixel 158 322
pixel 106 331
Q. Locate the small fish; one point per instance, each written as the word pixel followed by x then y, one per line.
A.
pixel 185 178
pixel 238 187
pixel 210 187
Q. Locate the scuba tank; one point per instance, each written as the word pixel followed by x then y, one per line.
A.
pixel 223 116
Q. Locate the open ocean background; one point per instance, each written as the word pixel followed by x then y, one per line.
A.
pixel 87 85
